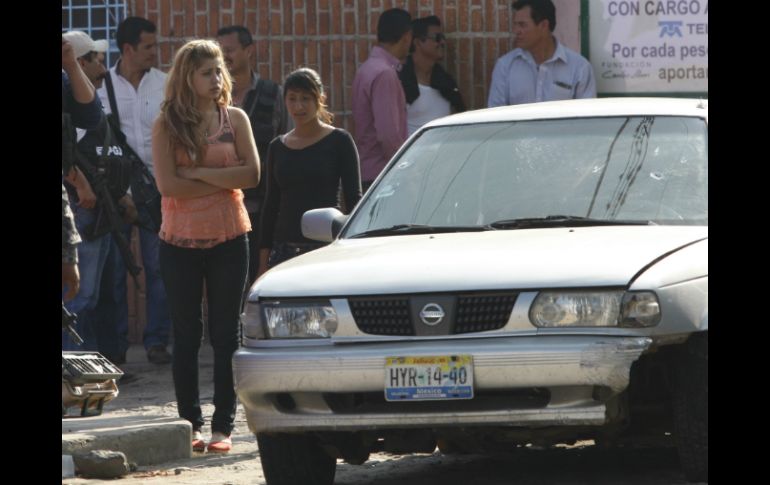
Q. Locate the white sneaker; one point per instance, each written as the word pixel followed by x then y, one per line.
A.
pixel 197 441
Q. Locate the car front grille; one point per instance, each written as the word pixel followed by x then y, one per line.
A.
pixel 482 313
pixel 478 312
pixel 382 316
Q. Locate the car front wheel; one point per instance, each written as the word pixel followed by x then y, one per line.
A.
pixel 691 407
pixel 294 459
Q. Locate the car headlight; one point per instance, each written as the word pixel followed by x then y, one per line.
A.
pixel 595 309
pixel 299 320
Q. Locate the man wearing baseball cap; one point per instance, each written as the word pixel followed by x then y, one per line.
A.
pixel 90 55
pixel 92 252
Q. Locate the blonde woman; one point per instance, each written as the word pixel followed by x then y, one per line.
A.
pixel 204 153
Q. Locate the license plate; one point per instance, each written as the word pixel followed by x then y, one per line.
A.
pixel 429 378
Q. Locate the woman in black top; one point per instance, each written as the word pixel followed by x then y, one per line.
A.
pixel 303 171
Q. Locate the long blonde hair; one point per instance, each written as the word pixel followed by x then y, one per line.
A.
pixel 179 115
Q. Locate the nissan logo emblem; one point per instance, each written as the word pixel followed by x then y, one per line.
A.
pixel 432 314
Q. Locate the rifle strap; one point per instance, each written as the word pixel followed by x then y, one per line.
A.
pixel 111 96
pixel 116 116
pixel 116 120
pixel 107 138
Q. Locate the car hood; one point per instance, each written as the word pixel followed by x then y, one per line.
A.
pixel 504 259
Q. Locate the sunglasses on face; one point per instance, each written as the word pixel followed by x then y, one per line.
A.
pixel 437 37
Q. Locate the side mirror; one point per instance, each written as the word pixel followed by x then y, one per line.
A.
pixel 322 224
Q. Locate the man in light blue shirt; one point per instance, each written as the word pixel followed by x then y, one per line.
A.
pixel 539 68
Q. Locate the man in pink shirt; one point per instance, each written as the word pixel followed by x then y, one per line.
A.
pixel 379 104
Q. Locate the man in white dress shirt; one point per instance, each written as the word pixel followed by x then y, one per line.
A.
pixel 138 92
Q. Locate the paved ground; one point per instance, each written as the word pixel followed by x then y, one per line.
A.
pixel 152 396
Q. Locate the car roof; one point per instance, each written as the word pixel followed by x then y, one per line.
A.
pixel 581 108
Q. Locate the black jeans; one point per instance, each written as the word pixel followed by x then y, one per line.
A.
pixel 184 270
pixel 253 248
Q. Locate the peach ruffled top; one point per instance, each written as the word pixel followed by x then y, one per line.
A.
pixel 204 222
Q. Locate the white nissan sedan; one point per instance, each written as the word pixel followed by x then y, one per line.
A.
pixel 533 274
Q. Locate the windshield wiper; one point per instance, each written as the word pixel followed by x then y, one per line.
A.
pixel 521 223
pixel 563 221
pixel 400 229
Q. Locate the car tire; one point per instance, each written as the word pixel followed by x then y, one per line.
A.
pixel 690 407
pixel 294 459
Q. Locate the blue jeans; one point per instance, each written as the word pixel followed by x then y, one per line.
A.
pixel 158 327
pixel 92 256
pixel 112 308
pixel 224 269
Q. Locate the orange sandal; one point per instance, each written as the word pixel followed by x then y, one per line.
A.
pixel 220 443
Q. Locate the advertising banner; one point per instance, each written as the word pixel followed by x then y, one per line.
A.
pixel 649 46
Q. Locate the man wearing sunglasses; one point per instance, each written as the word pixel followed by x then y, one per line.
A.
pixel 430 91
pixel 540 68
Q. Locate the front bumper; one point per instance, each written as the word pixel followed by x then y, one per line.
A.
pixel 570 367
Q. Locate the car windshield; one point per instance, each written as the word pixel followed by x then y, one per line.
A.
pixel 648 169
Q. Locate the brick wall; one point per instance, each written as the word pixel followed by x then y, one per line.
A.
pixel 334 37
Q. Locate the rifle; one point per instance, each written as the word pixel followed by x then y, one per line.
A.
pixel 97 177
pixel 67 321
pixel 115 222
